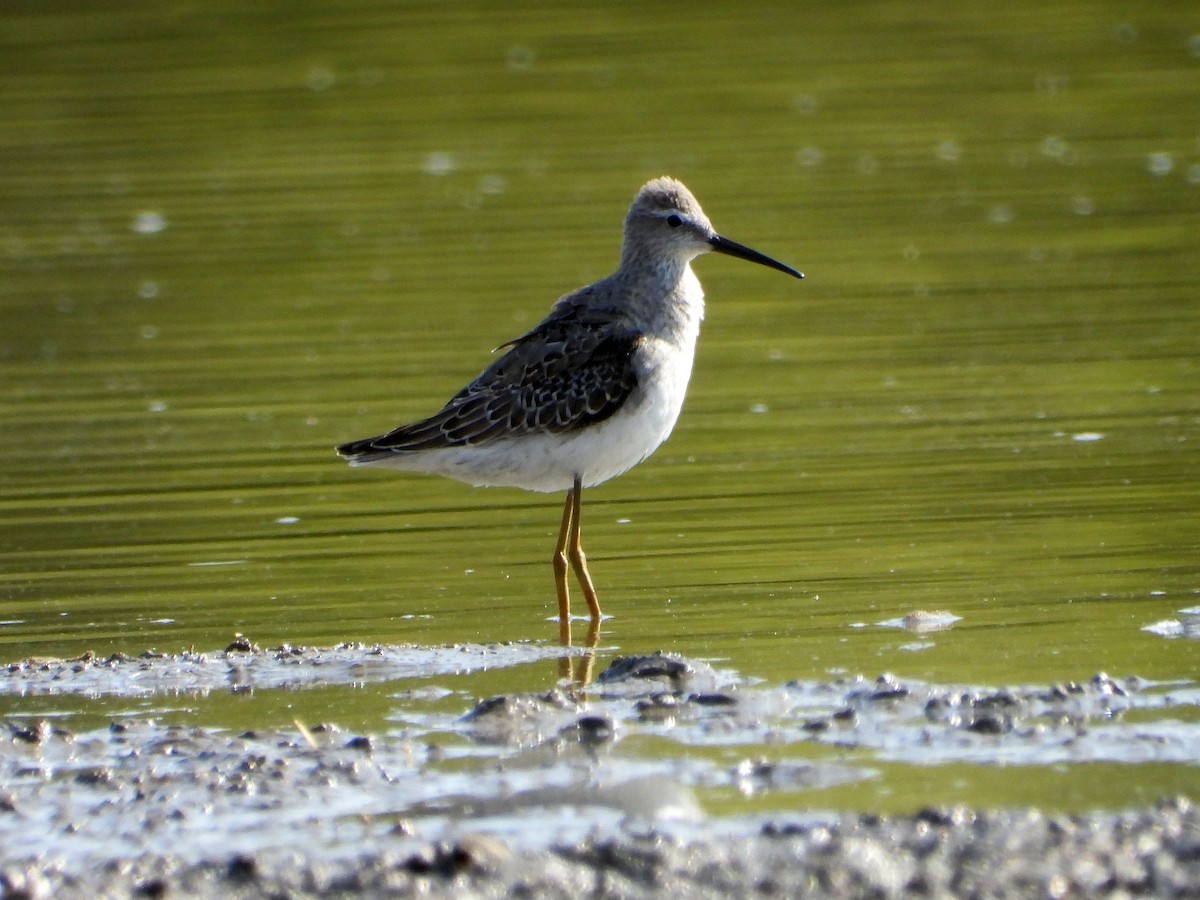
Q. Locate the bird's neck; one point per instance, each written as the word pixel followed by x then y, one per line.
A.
pixel 663 295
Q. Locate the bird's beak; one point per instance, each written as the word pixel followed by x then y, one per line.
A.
pixel 733 248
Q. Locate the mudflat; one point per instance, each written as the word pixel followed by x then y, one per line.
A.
pixel 560 793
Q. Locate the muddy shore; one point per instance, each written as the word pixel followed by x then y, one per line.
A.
pixel 935 853
pixel 537 798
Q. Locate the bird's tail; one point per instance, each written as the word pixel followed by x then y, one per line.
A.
pixel 362 452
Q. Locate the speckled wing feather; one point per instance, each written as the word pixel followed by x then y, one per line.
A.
pixel 566 374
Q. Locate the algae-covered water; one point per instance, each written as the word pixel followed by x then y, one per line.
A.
pixel 235 235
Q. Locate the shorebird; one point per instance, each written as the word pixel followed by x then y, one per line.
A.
pixel 591 391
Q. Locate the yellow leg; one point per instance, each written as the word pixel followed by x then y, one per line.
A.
pixel 575 551
pixel 560 571
pixel 575 669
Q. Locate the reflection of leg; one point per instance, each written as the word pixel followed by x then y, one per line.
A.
pixel 560 567
pixel 583 674
pixel 575 550
pixel 578 669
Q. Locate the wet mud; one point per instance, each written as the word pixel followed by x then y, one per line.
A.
pixel 537 795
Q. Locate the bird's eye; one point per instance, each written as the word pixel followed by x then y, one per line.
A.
pixel 674 221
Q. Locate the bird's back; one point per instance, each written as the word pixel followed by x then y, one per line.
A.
pixel 575 369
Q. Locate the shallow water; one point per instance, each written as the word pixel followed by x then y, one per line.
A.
pixel 232 239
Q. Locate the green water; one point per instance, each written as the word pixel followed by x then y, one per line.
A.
pixel 233 235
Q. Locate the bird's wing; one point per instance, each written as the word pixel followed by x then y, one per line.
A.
pixel 563 375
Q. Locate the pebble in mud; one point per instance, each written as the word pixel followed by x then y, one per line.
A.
pixel 660 707
pixel 590 730
pixel 660 668
pixel 520 719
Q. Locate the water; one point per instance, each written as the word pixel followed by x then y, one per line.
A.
pixel 232 238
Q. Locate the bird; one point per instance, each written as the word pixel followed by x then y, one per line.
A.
pixel 588 393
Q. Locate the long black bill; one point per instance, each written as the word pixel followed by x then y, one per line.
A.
pixel 733 248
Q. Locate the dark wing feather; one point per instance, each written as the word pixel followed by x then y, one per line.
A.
pixel 566 374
